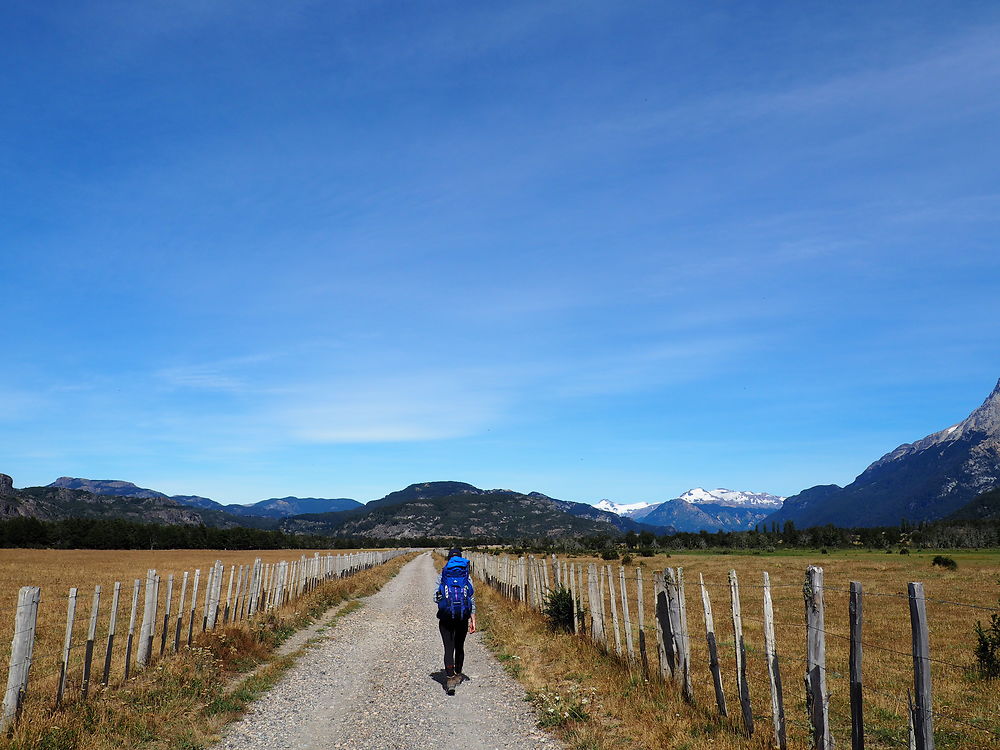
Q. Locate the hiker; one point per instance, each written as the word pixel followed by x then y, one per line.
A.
pixel 456 602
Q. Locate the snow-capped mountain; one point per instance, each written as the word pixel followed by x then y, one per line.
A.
pixel 621 509
pixel 699 509
pixel 732 498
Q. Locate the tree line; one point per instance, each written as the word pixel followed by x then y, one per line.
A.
pixel 90 533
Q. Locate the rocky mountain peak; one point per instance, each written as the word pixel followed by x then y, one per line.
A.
pixel 6 485
pixel 919 481
pixel 987 417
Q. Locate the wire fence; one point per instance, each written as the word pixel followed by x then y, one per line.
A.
pixel 103 636
pixel 868 677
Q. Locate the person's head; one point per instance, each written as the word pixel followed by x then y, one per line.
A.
pixel 454 552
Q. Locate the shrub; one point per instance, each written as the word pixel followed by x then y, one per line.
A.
pixel 559 609
pixel 646 552
pixel 626 559
pixel 987 648
pixel 944 562
pixel 609 554
pixel 824 551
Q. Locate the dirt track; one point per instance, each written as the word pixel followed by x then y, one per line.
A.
pixel 373 683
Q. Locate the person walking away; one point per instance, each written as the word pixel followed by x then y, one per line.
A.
pixel 455 597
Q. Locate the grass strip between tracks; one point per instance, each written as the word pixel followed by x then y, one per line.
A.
pixel 182 702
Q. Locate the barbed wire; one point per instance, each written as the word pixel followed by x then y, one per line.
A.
pixel 839 589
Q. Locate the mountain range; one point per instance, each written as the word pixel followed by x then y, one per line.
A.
pixel 953 473
pixel 699 509
pixel 275 507
pixel 452 509
pixel 457 509
pixel 929 479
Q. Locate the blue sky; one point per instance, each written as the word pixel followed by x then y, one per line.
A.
pixel 592 249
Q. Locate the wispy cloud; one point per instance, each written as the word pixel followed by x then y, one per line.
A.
pixel 19 404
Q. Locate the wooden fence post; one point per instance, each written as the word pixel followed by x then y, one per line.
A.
pixel 131 628
pixel 146 628
pixel 641 615
pixel 67 645
pixel 209 587
pixel 229 593
pixel 923 713
pixel 600 603
pixel 685 641
pixel 671 644
pixel 857 694
pixel 21 650
pixel 773 671
pixel 180 612
pixel 664 637
pixel 596 615
pixel 713 650
pixel 194 605
pixel 237 606
pixel 88 655
pixel 626 616
pixel 817 698
pixel 614 612
pixel 166 614
pixel 112 626
pixel 739 646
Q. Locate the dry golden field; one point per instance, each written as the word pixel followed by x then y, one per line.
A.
pixel 967 706
pixel 55 571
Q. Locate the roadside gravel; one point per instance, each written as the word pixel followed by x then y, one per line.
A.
pixel 372 683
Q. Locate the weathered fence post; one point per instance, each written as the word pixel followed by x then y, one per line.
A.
pixel 817 699
pixel 923 726
pixel 672 644
pixel 713 650
pixel 739 646
pixel 148 617
pixel 229 593
pixel 574 593
pixel 88 655
pixel 685 641
pixel 180 612
pixel 664 636
pixel 773 671
pixel 67 645
pixel 626 616
pixel 857 695
pixel 641 615
pixel 596 614
pixel 166 614
pixel 614 612
pixel 131 628
pixel 112 626
pixel 598 601
pixel 21 650
pixel 209 588
pixel 194 605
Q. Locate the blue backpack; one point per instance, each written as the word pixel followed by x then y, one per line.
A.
pixel 455 591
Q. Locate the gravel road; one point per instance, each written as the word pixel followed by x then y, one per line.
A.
pixel 373 683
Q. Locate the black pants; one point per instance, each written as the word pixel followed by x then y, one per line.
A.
pixel 453 634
